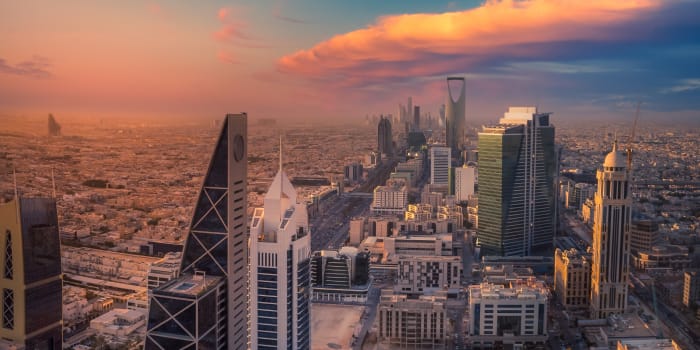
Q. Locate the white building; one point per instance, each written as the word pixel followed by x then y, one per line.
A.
pixel 440 163
pixel 119 322
pixel 280 250
pixel 390 199
pixel 465 178
pixel 508 315
pixel 419 274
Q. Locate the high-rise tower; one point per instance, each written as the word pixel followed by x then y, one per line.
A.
pixel 455 113
pixel 31 281
pixel 280 253
pixel 611 236
pixel 517 165
pixel 384 138
pixel 440 163
pixel 206 307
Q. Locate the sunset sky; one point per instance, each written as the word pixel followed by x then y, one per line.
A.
pixel 345 59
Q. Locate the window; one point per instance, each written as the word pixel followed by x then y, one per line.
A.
pixel 8 309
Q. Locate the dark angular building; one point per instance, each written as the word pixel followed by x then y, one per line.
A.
pixel 517 166
pixel 31 281
pixel 384 139
pixel 206 307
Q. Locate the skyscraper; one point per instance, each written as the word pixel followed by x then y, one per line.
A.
pixel 465 177
pixel 384 139
pixel 206 306
pixel 31 279
pixel 280 253
pixel 517 165
pixel 416 118
pixel 455 113
pixel 440 163
pixel 611 236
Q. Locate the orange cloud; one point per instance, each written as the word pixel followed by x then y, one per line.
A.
pixel 414 45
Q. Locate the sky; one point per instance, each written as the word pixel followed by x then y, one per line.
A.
pixel 326 60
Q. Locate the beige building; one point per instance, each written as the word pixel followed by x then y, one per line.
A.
pixel 572 278
pixel 412 323
pixel 666 256
pixel 691 287
pixel 418 274
pixel 390 199
pixel 643 233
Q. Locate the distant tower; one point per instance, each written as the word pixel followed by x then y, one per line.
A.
pixel 206 307
pixel 384 138
pixel 455 113
pixel 611 236
pixel 54 127
pixel 31 282
pixel 416 118
pixel 280 252
pixel 517 165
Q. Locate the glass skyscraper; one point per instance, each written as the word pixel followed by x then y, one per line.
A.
pixel 31 282
pixel 517 167
pixel 206 307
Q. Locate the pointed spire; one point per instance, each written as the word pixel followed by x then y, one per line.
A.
pixel 280 152
pixel 14 178
pixel 53 184
pixel 614 148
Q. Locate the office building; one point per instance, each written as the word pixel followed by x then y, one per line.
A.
pixel 643 233
pixel 164 270
pixel 455 109
pixel 464 179
pixel 412 323
pixel 341 275
pixel 611 236
pixel 440 163
pixel 31 280
pixel 280 286
pixel 691 287
pixel 418 274
pixel 508 316
pixel 572 278
pixel 517 165
pixel 353 172
pixel 384 138
pixel 206 306
pixel 390 199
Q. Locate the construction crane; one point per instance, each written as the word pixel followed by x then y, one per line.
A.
pixel 631 139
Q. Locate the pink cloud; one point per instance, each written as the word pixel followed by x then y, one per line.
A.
pixel 415 45
pixel 226 57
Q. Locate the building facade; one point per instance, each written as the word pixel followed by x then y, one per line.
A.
pixel 611 236
pixel 440 163
pixel 643 233
pixel 213 277
pixel 340 275
pixel 384 137
pixel 517 165
pixel 514 315
pixel 412 323
pixel 465 178
pixel 455 111
pixel 31 281
pixel 280 281
pixel 691 287
pixel 572 278
pixel 419 274
pixel 390 199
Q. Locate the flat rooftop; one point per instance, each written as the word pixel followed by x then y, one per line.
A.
pixel 191 285
pixel 333 325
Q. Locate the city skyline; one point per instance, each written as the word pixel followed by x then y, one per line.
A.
pixel 584 60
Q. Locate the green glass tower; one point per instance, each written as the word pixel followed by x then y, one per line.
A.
pixel 517 166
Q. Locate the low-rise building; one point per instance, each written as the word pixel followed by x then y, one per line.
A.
pixel 691 287
pixel 341 275
pixel 119 322
pixel 508 315
pixel 420 274
pixel 412 323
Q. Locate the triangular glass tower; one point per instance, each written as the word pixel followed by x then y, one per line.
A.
pixel 206 307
